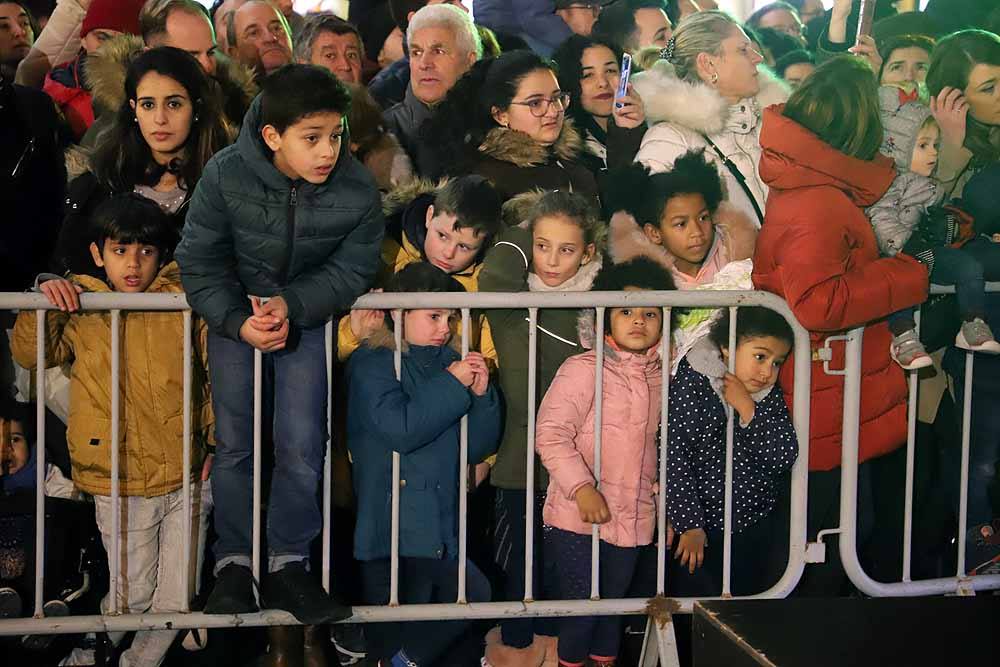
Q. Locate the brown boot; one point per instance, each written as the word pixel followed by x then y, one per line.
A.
pixel 284 647
pixel 499 654
pixel 551 647
pixel 314 646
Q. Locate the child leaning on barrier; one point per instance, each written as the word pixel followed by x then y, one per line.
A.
pixel 553 245
pixel 417 416
pixel 764 447
pixel 905 220
pixel 132 246
pixel 284 230
pixel 449 224
pixel 621 500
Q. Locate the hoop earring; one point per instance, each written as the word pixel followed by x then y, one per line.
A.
pixel 715 78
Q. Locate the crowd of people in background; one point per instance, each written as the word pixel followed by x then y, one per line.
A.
pixel 273 167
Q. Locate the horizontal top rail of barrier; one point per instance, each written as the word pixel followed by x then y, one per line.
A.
pixel 532 302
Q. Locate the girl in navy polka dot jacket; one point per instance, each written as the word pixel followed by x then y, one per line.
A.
pixel 764 447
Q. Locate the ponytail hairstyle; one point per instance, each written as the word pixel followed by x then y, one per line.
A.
pixel 644 195
pixel 576 208
pixel 465 116
pixel 952 60
pixel 124 160
pixel 698 33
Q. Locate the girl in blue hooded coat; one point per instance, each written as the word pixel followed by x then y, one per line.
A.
pixel 418 416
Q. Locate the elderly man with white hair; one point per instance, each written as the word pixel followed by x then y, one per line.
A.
pixel 443 44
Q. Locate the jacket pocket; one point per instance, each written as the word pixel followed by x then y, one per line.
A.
pixel 89 439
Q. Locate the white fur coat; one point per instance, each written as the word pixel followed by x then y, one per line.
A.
pixel 681 114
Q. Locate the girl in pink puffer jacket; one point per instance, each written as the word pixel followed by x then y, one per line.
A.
pixel 621 501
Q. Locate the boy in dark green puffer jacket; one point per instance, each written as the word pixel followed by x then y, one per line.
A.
pixel 284 230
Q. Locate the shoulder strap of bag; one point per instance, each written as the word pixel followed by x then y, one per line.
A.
pixel 738 175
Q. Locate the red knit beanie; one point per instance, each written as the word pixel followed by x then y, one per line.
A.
pixel 120 15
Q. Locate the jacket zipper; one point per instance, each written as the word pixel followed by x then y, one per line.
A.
pixel 293 200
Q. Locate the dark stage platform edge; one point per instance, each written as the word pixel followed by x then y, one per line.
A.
pixel 950 632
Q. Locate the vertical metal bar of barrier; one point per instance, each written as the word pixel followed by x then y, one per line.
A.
pixel 186 464
pixel 463 475
pixel 727 531
pixel 661 500
pixel 963 491
pixel 327 460
pixel 40 460
pixel 850 429
pixel 397 358
pixel 911 437
pixel 595 544
pixel 258 395
pixel 115 556
pixel 529 476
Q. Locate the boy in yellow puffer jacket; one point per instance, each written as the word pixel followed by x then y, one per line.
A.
pixel 449 225
pixel 133 241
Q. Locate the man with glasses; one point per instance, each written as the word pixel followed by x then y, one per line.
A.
pixel 543 24
pixel 443 44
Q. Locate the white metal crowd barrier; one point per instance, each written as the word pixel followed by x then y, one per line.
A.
pixel 959 584
pixel 461 608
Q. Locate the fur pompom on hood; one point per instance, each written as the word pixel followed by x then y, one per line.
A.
pixel 733 228
pixel 697 106
pixel 518 148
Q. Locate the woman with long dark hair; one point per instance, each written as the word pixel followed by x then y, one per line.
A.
pixel 589 70
pixel 505 119
pixel 964 82
pixel 164 132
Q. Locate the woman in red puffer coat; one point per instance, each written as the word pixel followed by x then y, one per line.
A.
pixel 817 250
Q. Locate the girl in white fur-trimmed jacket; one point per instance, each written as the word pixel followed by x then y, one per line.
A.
pixel 709 92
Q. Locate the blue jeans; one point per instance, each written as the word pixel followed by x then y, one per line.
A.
pixel 298 377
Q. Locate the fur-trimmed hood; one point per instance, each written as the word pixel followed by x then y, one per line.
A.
pixel 384 337
pixel 698 106
pixel 106 70
pixel 399 198
pixel 77 161
pixel 735 233
pixel 503 143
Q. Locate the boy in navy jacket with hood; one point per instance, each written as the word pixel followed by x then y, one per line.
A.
pixel 284 230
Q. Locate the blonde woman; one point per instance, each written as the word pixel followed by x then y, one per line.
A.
pixel 708 91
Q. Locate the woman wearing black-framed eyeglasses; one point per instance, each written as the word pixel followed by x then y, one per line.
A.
pixel 505 119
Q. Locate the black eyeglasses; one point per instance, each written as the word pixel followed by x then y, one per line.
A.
pixel 539 106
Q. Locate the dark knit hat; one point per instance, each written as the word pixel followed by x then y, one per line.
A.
pixel 120 15
pixel 901 122
pixel 981 199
